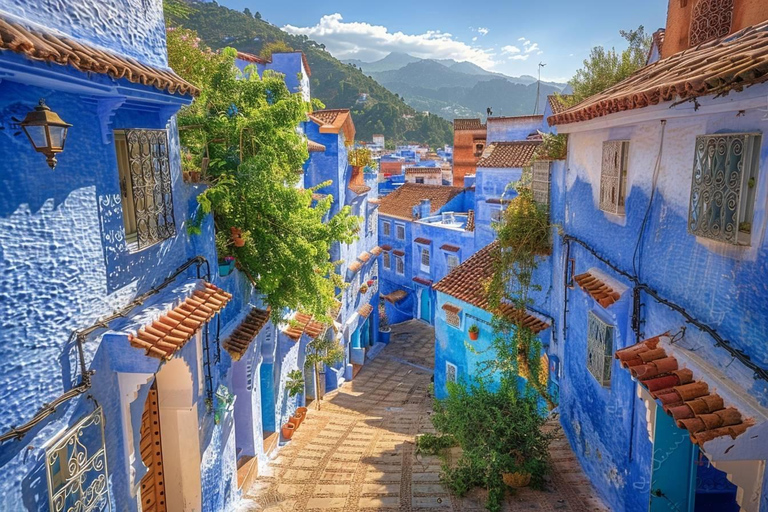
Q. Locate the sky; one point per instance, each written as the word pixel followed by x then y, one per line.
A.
pixel 506 36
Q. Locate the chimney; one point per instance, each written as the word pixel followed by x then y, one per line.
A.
pixel 470 220
pixel 425 208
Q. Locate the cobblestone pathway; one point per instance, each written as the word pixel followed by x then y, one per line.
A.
pixel 357 452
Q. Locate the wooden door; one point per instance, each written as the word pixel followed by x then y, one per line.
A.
pixel 153 483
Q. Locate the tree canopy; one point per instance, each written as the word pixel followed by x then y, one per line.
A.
pixel 241 132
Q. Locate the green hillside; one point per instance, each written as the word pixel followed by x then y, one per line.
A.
pixel 336 84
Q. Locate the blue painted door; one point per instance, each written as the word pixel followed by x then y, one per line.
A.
pixel 365 334
pixel 673 474
pixel 426 306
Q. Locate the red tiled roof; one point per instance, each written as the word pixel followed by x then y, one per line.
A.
pixel 508 154
pixel 360 189
pixel 450 248
pixel 240 339
pixel 375 201
pixel 38 43
pixel 365 311
pixel 364 256
pixel 556 103
pixel 423 170
pixel 334 121
pixel 400 202
pixel 175 328
pixel 315 147
pixel 421 280
pixel 398 252
pixel 597 289
pixel 376 251
pixel 732 62
pixel 304 324
pixel 526 119
pixel 395 297
pixel 451 308
pixel 468 281
pixel 422 240
pixel 689 401
pixel 386 247
pixel 468 124
pixel 249 57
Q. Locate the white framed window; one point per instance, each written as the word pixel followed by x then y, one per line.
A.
pixel 144 173
pixel 386 259
pixel 451 372
pixel 425 259
pixel 599 349
pixel 540 181
pixel 723 186
pixel 400 231
pixel 386 228
pixel 613 176
pixel 400 265
pixel 451 261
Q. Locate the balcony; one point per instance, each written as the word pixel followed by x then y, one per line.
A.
pixel 448 220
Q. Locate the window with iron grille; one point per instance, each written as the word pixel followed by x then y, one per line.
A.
pixel 540 181
pixel 613 176
pixel 451 261
pixel 145 186
pixel 386 228
pixel 425 259
pixel 400 265
pixel 450 372
pixel 386 259
pixel 400 231
pixel 373 219
pixel 453 317
pixel 599 349
pixel 723 187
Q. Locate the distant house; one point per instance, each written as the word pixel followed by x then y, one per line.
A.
pixel 468 145
pixel 424 175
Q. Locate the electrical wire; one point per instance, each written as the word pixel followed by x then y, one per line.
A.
pixel 654 179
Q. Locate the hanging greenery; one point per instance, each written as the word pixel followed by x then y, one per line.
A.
pixel 246 127
pixel 553 147
pixel 359 157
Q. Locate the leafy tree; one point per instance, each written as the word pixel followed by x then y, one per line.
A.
pixel 245 128
pixel 605 68
pixel 275 47
pixel 247 12
pixel 324 350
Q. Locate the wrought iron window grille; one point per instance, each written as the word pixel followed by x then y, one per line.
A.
pixel 450 372
pixel 599 349
pixel 613 176
pixel 540 181
pixel 723 187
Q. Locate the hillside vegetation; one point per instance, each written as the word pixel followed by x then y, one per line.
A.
pixel 336 84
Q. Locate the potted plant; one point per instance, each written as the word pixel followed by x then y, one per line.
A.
pixel 288 430
pixel 226 266
pixel 364 288
pixel 385 330
pixel 474 332
pixel 237 236
pixel 298 418
pixel 294 385
pixel 370 282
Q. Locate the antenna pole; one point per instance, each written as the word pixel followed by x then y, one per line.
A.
pixel 538 90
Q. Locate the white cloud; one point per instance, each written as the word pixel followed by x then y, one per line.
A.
pixel 521 39
pixel 483 31
pixel 539 52
pixel 510 49
pixel 531 48
pixel 370 42
pixel 474 38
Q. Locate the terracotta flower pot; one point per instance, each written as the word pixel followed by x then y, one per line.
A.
pixel 474 335
pixel 237 236
pixel 517 479
pixel 194 176
pixel 298 418
pixel 288 430
pixel 302 410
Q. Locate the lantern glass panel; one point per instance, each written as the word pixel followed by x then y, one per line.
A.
pixel 58 136
pixel 37 135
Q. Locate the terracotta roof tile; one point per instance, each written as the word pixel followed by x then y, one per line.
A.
pixel 422 240
pixel 360 189
pixel 395 297
pixel 421 280
pixel 334 121
pixel 423 170
pixel 364 256
pixel 398 252
pixel 365 311
pixel 375 200
pixel 508 154
pixel 240 339
pixel 376 250
pixel 386 247
pixel 315 147
pixel 728 63
pixel 400 202
pixel 175 328
pixel 556 103
pixel 522 119
pixel 468 124
pixel 249 57
pixel 468 281
pixel 354 266
pixel 451 308
pixel 450 248
pixel 603 293
pixel 304 324
pixel 690 402
pixel 38 43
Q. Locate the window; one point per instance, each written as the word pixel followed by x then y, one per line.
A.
pixel 386 258
pixel 425 259
pixel 599 349
pixel 373 219
pixel 540 181
pixel 497 213
pixel 420 180
pixel 400 231
pixel 450 372
pixel 400 265
pixel 613 176
pixel 386 228
pixel 452 315
pixel 451 261
pixel 723 186
pixel 145 186
pixel 479 149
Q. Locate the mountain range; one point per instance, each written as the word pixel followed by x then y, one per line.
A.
pixel 454 89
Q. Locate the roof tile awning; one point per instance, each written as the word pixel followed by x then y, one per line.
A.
pixel 376 251
pixel 360 189
pixel 423 241
pixel 238 342
pixel 365 311
pixel 398 252
pixel 364 256
pixel 421 280
pixel 304 324
pixel 451 308
pixel 354 267
pixel 509 154
pixel 602 292
pixel 395 297
pixel 40 44
pixel 315 147
pixel 386 247
pixel 690 402
pixel 450 248
pixel 175 328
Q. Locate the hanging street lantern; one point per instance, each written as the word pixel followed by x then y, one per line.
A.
pixel 46 131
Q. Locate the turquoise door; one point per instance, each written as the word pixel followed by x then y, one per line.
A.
pixel 673 474
pixel 426 306
pixel 365 335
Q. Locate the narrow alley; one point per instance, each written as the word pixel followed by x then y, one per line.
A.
pixel 358 452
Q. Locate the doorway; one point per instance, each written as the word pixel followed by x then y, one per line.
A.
pixel 425 306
